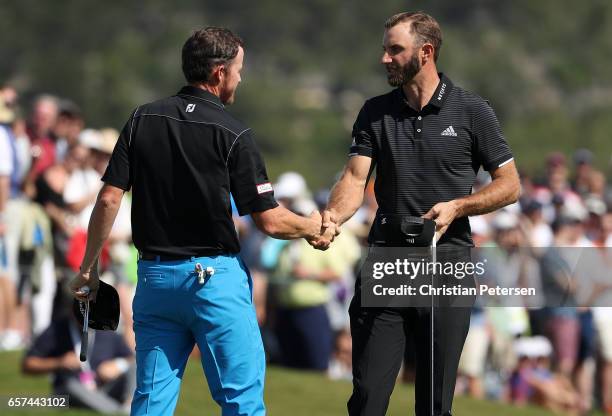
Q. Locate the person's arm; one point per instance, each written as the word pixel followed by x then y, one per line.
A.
pixel 100 224
pixel 504 189
pixel 43 365
pixel 347 194
pixel 253 194
pixel 117 180
pixel 283 224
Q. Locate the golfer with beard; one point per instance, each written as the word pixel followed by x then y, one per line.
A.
pixel 426 139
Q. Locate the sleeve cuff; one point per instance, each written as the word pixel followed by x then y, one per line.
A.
pixel 360 151
pixel 258 205
pixel 117 183
pixel 498 162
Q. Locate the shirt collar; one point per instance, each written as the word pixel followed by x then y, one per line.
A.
pixel 442 92
pixel 439 96
pixel 191 91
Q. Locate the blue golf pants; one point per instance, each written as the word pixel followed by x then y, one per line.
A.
pixel 173 311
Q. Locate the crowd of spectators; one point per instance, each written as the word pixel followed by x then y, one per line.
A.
pixel 555 352
pixel 50 170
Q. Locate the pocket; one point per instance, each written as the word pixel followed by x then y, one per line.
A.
pixel 155 280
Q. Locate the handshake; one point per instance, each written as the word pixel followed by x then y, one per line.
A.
pixel 328 229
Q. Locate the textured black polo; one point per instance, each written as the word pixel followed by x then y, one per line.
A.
pixel 182 156
pixel 429 156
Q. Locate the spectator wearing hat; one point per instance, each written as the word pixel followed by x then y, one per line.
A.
pixel 84 183
pixel 511 263
pixel 533 381
pixel 593 225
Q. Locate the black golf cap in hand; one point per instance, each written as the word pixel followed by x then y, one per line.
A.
pixel 103 312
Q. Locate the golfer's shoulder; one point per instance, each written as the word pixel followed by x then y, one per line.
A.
pixel 237 127
pixel 471 101
pixel 381 104
pixel 206 114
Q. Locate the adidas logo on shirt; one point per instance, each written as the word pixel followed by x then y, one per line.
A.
pixel 449 131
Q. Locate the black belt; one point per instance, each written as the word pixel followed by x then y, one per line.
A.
pixel 150 256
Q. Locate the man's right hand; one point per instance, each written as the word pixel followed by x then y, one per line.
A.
pixel 320 242
pixel 329 230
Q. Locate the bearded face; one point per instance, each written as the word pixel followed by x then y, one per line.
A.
pixel 398 76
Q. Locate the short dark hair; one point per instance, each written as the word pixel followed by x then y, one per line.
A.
pixel 425 27
pixel 207 48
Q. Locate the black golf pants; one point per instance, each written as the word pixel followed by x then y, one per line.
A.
pixel 379 337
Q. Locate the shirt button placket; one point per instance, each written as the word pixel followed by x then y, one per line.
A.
pixel 419 127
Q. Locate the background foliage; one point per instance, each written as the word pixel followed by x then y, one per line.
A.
pixel 544 65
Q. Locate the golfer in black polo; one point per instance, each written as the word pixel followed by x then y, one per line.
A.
pixel 182 157
pixel 426 139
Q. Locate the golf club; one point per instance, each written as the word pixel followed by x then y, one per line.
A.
pixel 433 258
pixel 84 335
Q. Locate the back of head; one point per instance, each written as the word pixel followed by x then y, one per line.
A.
pixel 205 49
pixel 424 27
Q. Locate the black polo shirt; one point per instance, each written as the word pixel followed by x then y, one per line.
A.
pixel 182 156
pixel 429 156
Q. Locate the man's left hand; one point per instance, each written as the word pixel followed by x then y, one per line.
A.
pixel 443 213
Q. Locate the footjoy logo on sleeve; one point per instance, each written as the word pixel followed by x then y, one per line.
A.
pixel 264 187
pixel 190 108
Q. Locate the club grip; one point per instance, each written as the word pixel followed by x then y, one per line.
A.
pixel 84 344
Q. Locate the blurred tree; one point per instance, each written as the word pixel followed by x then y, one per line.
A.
pixel 310 64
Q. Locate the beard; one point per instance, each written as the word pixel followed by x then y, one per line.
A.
pixel 401 76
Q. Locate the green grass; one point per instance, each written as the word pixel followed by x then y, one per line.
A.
pixel 288 392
